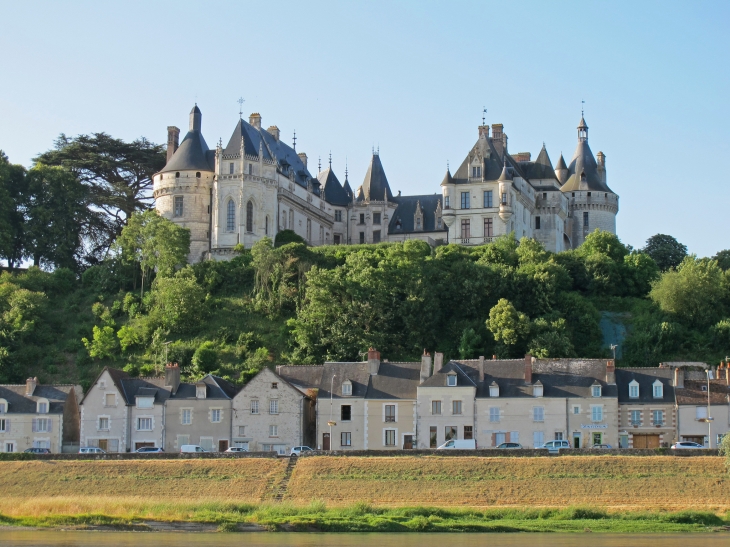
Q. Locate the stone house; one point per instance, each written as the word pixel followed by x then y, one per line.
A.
pixel 270 414
pixel 39 416
pixel 697 399
pixel 647 413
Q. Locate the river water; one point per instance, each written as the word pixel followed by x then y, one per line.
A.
pixel 23 538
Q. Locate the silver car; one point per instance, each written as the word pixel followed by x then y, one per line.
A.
pixel 686 444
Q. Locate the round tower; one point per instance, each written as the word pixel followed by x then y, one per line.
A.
pixel 505 193
pixel 182 189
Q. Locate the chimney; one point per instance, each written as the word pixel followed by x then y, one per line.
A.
pixel 425 366
pixel 373 361
pixel 172 377
pixel 274 132
pixel 610 372
pixel 438 362
pixel 678 378
pixel 528 369
pixel 499 139
pixel 255 120
pixel 522 156
pixel 30 385
pixel 601 160
pixel 484 130
pixel 303 157
pixel 173 140
pixel 497 129
pixel 481 368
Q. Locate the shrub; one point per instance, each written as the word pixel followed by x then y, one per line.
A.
pixel 205 358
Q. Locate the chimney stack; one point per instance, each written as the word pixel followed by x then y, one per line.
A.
pixel 172 377
pixel 274 131
pixel 425 366
pixel 373 361
pixel 484 130
pixel 255 120
pixel 610 372
pixel 528 369
pixel 30 385
pixel 678 378
pixel 481 368
pixel 303 157
pixel 438 362
pixel 173 140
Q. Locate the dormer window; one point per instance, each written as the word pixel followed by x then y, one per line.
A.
pixel 658 390
pixel 347 388
pixel 633 389
pixel 596 390
pixel 200 391
pixel 476 172
pixel 451 380
pixel 494 390
pixel 537 390
pixel 42 406
pixel 3 406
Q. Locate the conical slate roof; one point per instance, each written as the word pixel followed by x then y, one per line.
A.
pixel 334 193
pixel 193 153
pixel 505 173
pixel 448 179
pixel 348 189
pixel 543 167
pixel 583 171
pixel 375 186
pixel 561 163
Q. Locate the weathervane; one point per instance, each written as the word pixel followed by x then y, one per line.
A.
pixel 345 167
pixel 240 107
pixel 330 159
pixel 319 163
pixel 484 116
pixel 295 140
pixel 581 108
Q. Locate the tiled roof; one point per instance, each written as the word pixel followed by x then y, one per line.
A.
pixel 334 193
pixel 302 376
pixel 405 214
pixel 645 378
pixel 692 393
pixel 395 381
pixel 19 403
pixel 358 373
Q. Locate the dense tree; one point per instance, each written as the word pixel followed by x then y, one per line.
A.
pixel 723 259
pixel 509 326
pixel 13 191
pixel 666 251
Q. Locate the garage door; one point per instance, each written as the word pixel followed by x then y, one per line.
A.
pixel 646 441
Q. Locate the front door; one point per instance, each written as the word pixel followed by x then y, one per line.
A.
pixel 103 444
pixel 222 446
pixel 576 440
pixel 597 438
pixel 407 442
pixel 325 441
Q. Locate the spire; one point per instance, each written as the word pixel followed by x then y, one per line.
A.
pixel 330 159
pixel 375 184
pixel 447 178
pixel 561 163
pixel 294 140
pixel 582 130
pixel 196 117
pixel 505 171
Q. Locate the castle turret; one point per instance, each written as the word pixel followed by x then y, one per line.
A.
pixel 561 170
pixel 505 193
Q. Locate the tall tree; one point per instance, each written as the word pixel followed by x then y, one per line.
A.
pixel 118 176
pixel 723 259
pixel 13 190
pixel 666 251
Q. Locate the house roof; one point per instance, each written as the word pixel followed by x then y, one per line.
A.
pixel 19 403
pixel 692 394
pixel 645 378
pixel 216 388
pixel 301 376
pixel 395 381
pixel 334 193
pixel 143 387
pixel 375 186
pixel 467 375
pixel 406 211
pixel 358 373
pixel 193 153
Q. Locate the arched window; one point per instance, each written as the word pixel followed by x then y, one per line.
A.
pixel 177 175
pixel 249 217
pixel 231 216
pixel 197 175
pixel 266 225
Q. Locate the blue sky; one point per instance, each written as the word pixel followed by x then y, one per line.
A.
pixel 409 77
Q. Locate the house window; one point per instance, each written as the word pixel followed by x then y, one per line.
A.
pixel 230 216
pixel 254 406
pixel 42 425
pixel 230 168
pixel 435 407
pixel 596 413
pixel 3 408
pixel 103 424
pixel 451 380
pixel 2 426
pixel 700 412
pixel 634 390
pixel 347 388
pixel 488 199
pixel 144 424
pixel 390 413
pixel 537 223
pixel 346 413
pixel 338 215
pixel 376 236
pixel 658 390
pixel 488 227
pixel 274 385
pixel 274 406
pixel 346 438
pixel 476 172
pixel 658 417
pixel 447 202
pixel 450 432
pixel 537 390
pixel 558 435
pixel 178 206
pixel 585 220
pixel 249 217
pixel 362 237
pixel 468 432
pixel 273 431
pixel 376 218
pixel 465 228
pixel 186 417
pixel 362 218
pixel 432 437
pixel 215 415
pixel 241 430
pixel 596 391
pixel 538 414
pixel 390 437
pixel 456 407
pixel 494 414
pixel 43 408
pixel 465 200
pixel 635 417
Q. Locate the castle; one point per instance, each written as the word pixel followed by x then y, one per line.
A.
pixel 257 186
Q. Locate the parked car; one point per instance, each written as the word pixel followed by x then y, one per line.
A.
pixel 191 448
pixel 686 444
pixel 459 444
pixel 299 449
pixel 603 446
pixel 510 445
pixel 91 450
pixel 236 449
pixel 149 450
pixel 37 451
pixel 555 446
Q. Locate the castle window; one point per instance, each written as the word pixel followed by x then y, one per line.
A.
pixel 476 172
pixel 544 195
pixel 266 225
pixel 249 217
pixel 465 200
pixel 446 202
pixel 362 237
pixel 537 223
pixel 250 169
pixel 418 223
pixel 438 223
pixel 504 198
pixel 338 216
pixel 362 218
pixel 177 175
pixel 230 216
pixel 398 224
pixel 376 236
pixel 337 239
pixel 585 220
pixel 321 235
pixel 197 175
pixel 309 230
pixel 488 199
pixel 291 219
pixel 178 212
pixel 376 218
pixel 488 227
pixel 465 229
pixel 230 168
pixel 589 194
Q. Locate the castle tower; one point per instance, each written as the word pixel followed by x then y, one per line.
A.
pixel 182 189
pixel 593 205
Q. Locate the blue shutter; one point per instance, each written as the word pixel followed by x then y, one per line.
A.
pixel 35 425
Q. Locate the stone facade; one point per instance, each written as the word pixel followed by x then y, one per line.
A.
pixel 697 399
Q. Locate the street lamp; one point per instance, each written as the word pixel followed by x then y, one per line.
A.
pixel 331 422
pixel 613 347
pixel 709 418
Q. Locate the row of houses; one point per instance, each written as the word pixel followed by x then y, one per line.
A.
pixel 378 405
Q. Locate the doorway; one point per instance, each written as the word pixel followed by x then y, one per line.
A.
pixel 222 445
pixel 103 444
pixel 597 438
pixel 646 441
pixel 325 441
pixel 407 442
pixel 576 440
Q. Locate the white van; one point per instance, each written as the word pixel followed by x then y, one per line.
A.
pixel 187 448
pixel 456 444
pixel 556 446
